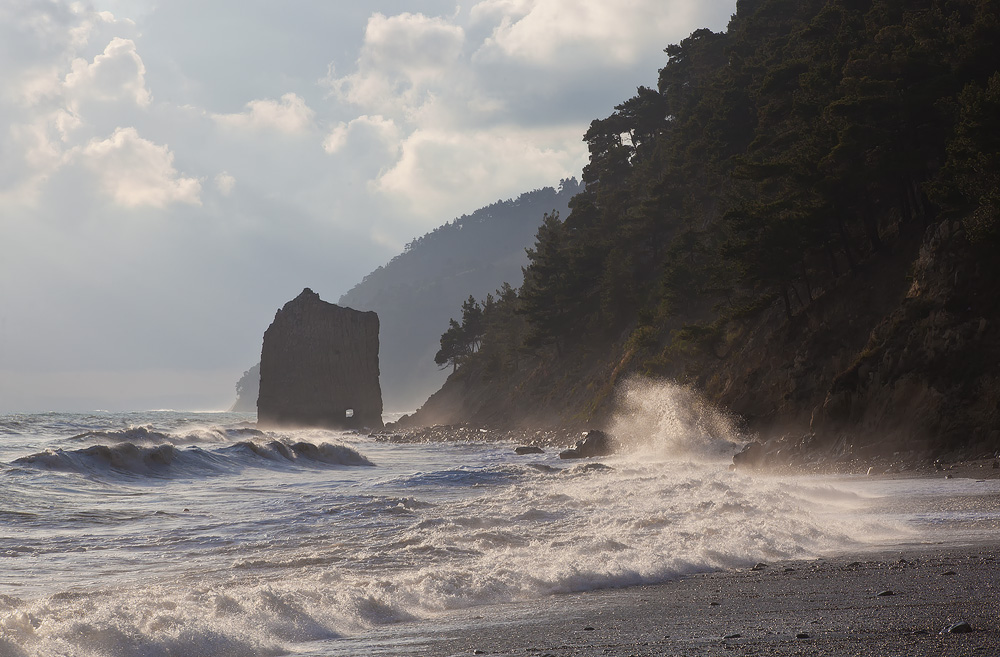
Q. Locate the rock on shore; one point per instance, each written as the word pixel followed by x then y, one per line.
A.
pixel 319 367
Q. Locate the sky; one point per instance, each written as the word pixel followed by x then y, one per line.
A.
pixel 172 172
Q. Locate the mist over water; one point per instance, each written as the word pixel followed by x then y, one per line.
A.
pixel 168 534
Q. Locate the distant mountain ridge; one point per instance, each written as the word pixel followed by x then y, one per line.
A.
pixel 419 290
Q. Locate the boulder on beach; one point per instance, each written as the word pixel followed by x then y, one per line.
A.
pixel 319 367
pixel 595 443
pixel 528 449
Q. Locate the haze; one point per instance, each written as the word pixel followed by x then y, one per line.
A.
pixel 172 172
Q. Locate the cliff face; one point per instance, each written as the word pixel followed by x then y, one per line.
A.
pixel 319 367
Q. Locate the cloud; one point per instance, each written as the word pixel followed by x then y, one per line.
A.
pixel 495 10
pixel 402 59
pixel 290 115
pixel 373 132
pixel 225 183
pixel 136 172
pixel 557 33
pixel 115 75
pixel 439 171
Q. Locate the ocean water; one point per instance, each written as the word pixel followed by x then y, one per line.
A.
pixel 161 533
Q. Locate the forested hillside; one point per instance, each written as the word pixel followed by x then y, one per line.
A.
pixel 800 219
pixel 417 292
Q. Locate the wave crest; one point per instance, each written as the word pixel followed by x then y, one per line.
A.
pixel 166 460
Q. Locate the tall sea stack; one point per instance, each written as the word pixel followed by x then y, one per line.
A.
pixel 319 367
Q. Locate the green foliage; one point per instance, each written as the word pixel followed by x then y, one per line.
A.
pixel 768 162
pixel 971 179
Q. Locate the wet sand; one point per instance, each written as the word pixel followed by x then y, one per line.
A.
pixel 893 602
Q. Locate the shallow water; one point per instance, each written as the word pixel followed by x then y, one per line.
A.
pixel 172 534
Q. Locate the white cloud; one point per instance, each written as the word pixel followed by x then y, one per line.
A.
pixel 493 10
pixel 289 115
pixel 136 172
pixel 444 173
pixel 225 183
pixel 403 58
pixel 560 33
pixel 375 131
pixel 116 74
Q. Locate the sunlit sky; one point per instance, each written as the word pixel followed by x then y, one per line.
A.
pixel 173 172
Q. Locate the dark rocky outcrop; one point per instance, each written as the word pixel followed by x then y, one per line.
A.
pixel 319 367
pixel 595 443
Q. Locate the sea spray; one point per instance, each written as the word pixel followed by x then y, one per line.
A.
pixel 672 420
pixel 272 552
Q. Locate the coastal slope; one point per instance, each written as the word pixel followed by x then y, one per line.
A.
pixel 798 221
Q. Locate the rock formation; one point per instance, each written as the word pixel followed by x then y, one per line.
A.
pixel 595 443
pixel 319 367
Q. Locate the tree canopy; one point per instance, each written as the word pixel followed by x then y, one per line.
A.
pixel 769 162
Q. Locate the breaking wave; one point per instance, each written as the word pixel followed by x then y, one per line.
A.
pixel 147 434
pixel 167 460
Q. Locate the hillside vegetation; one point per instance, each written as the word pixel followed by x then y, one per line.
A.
pixel 800 219
pixel 417 292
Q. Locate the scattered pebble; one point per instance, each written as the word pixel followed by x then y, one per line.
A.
pixel 802 635
pixel 948 573
pixel 588 629
pixel 759 567
pixel 957 628
pixel 733 636
pixel 885 593
pixel 713 603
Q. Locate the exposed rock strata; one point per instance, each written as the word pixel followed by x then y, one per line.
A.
pixel 319 367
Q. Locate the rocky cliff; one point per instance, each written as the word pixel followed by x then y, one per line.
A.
pixel 319 367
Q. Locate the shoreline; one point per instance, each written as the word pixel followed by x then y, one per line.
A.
pixel 911 464
pixel 899 601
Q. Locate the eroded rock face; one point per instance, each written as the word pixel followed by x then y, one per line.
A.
pixel 319 367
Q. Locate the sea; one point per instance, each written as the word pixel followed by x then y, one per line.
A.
pixel 165 533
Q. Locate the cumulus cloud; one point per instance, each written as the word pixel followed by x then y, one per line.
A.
pixel 557 33
pixel 116 74
pixel 373 132
pixel 289 115
pixel 492 10
pixel 136 172
pixel 225 183
pixel 439 169
pixel 404 57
